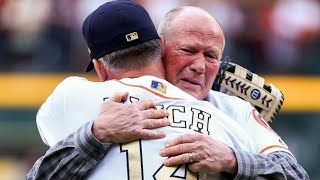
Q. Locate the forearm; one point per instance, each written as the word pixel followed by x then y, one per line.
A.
pixel 276 165
pixel 71 158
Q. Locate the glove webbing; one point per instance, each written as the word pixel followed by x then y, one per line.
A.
pixel 238 81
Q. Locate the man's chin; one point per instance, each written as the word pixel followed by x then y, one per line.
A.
pixel 192 89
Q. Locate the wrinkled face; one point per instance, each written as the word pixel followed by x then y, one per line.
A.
pixel 192 56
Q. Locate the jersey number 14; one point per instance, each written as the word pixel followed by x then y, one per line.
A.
pixel 135 165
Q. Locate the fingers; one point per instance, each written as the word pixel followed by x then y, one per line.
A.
pixel 145 104
pixel 119 96
pixel 141 105
pixel 120 123
pixel 155 123
pixel 181 159
pixel 149 134
pixel 186 138
pixel 180 145
pixel 177 150
pixel 155 114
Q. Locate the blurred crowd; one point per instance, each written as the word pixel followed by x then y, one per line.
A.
pixel 266 36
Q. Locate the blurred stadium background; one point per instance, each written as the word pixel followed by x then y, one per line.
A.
pixel 41 44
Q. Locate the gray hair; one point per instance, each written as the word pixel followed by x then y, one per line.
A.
pixel 166 22
pixel 133 57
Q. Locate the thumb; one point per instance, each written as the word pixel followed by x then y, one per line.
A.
pixel 119 96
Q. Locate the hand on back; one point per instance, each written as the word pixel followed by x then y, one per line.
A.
pixel 202 152
pixel 121 123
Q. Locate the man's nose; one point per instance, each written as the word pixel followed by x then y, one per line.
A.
pixel 198 65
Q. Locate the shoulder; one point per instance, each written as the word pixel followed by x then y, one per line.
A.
pixel 221 99
pixel 73 80
pixel 73 84
pixel 155 84
pixel 236 108
pixel 72 88
pixel 66 88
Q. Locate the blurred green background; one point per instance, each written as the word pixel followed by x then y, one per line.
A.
pixel 41 43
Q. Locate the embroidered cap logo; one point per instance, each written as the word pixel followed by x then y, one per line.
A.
pixel 132 36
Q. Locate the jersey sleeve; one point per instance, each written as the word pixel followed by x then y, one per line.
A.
pixel 50 117
pixel 265 139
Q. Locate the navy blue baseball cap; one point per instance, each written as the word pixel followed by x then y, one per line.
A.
pixel 116 25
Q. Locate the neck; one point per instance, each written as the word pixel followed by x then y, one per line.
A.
pixel 152 70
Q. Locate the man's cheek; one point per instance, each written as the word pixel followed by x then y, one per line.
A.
pixel 212 72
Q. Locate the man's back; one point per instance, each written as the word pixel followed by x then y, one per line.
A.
pixel 76 101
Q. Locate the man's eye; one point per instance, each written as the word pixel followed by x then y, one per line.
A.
pixel 186 50
pixel 211 57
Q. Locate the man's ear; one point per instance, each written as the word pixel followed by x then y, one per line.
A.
pixel 162 46
pixel 101 71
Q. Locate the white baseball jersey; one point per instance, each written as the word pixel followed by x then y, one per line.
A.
pixel 76 101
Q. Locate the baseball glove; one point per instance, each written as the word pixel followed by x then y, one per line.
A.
pixel 235 80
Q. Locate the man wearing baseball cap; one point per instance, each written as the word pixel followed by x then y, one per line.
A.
pixel 106 30
pixel 122 43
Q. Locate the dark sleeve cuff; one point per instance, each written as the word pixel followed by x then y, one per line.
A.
pixel 88 146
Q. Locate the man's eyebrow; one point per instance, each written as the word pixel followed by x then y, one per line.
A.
pixel 188 46
pixel 214 49
pixel 193 46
